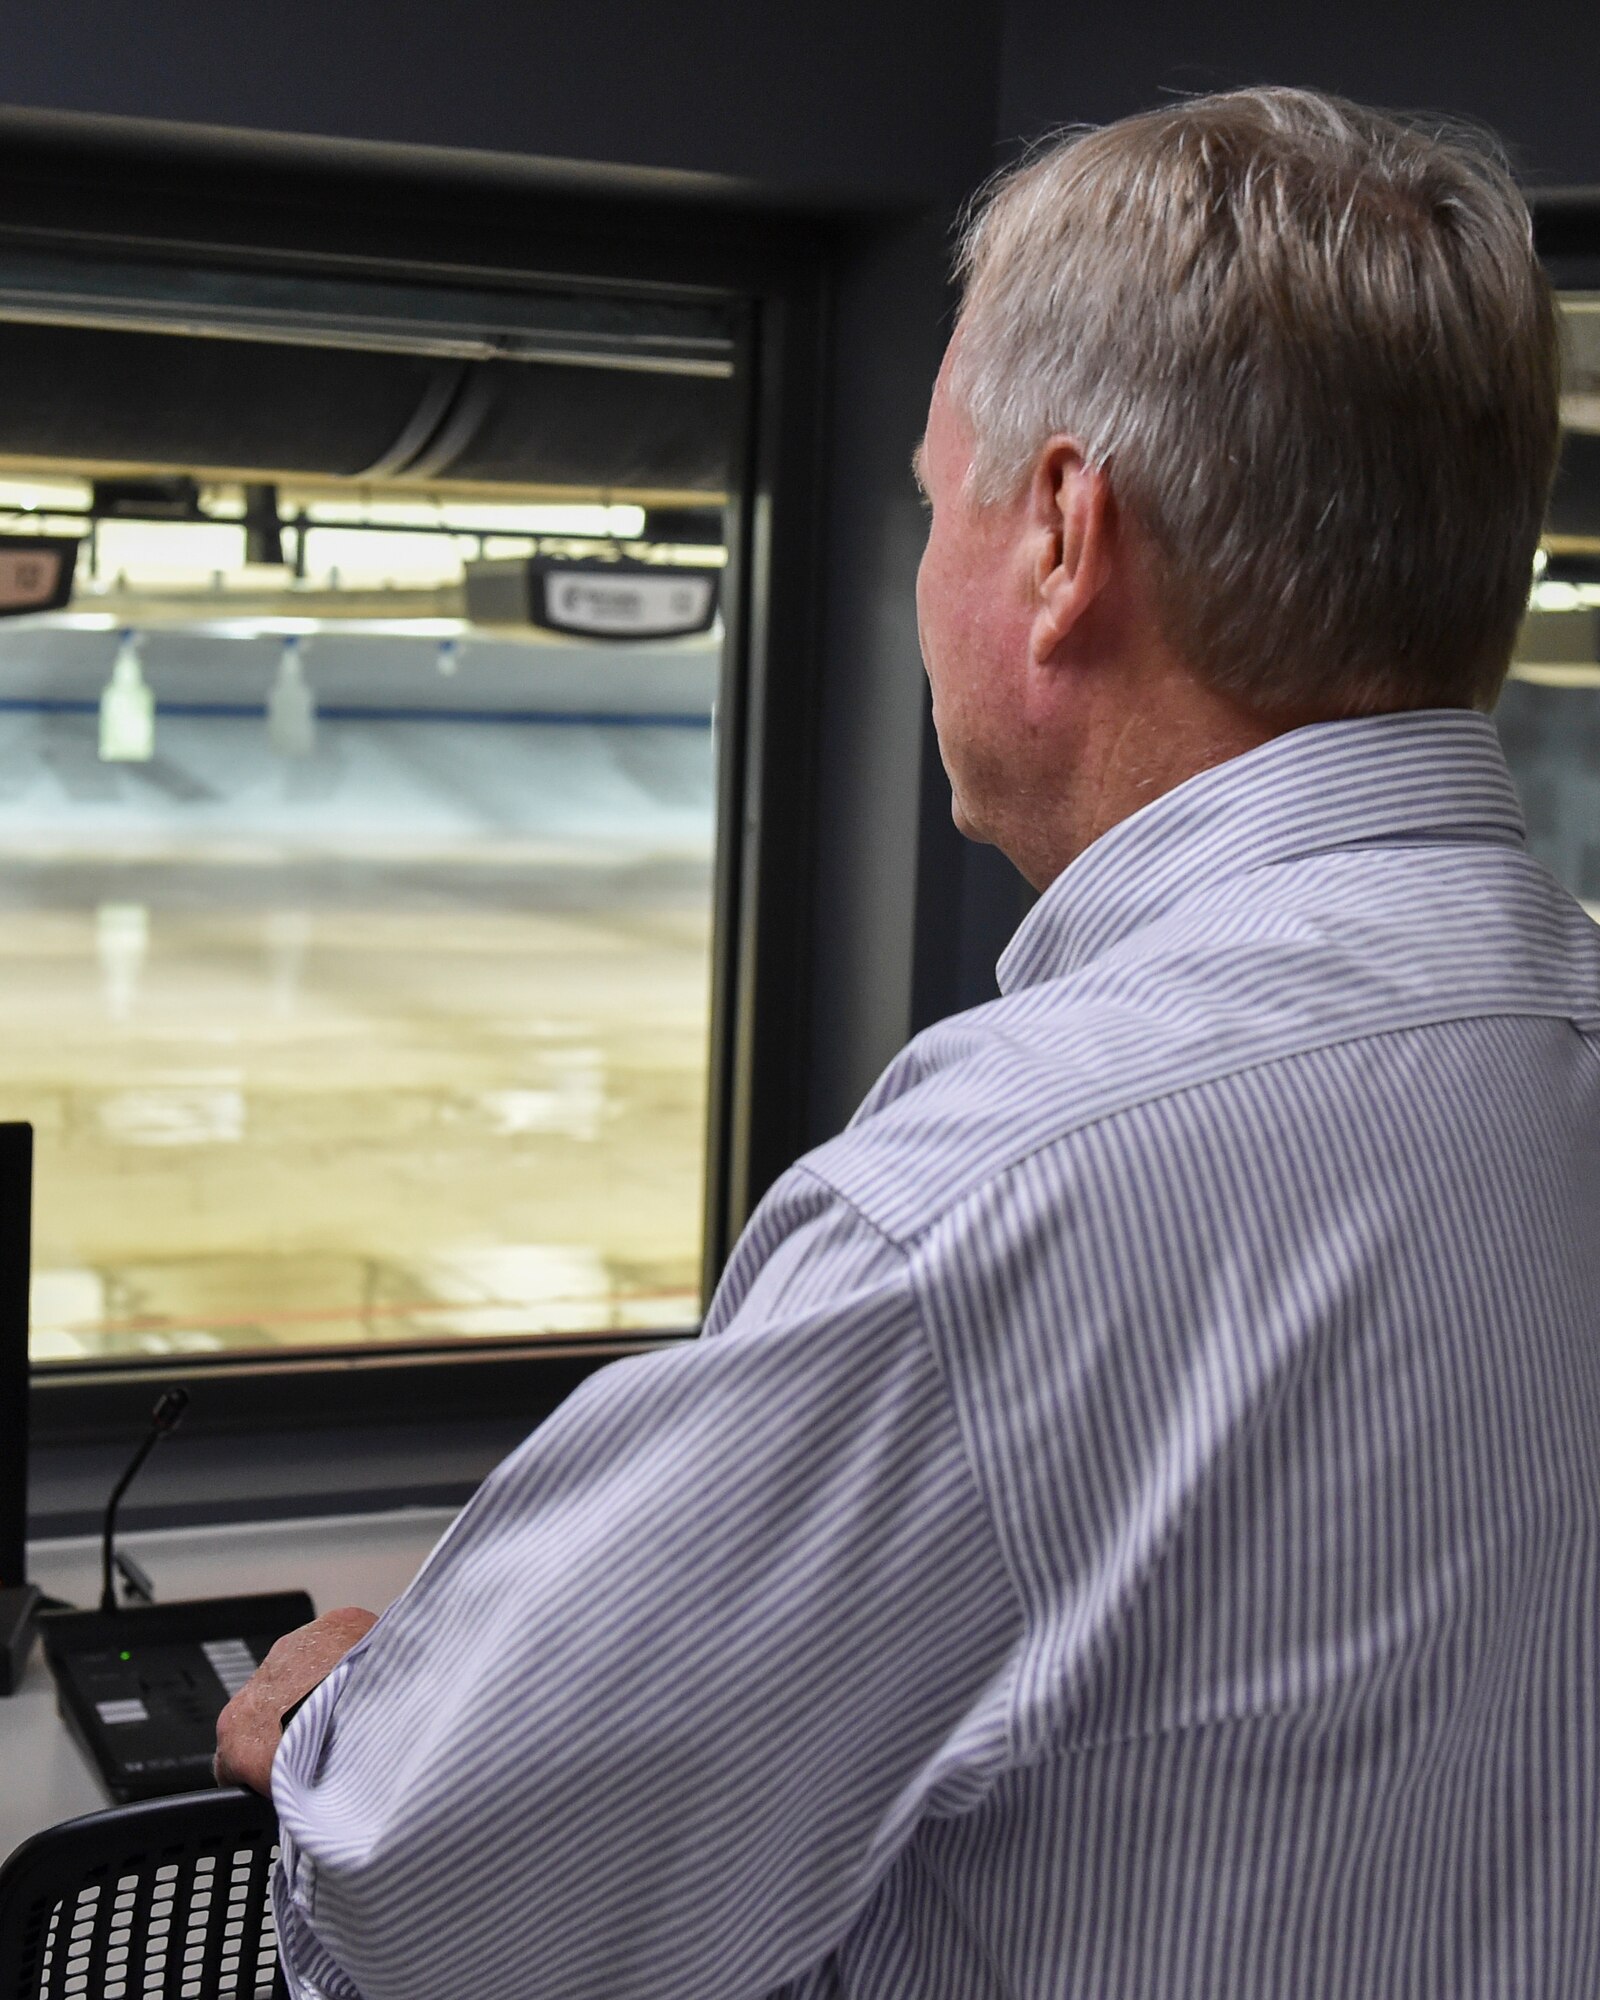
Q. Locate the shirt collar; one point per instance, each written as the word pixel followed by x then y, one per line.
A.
pixel 1428 772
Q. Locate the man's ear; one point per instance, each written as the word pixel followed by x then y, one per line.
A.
pixel 1070 512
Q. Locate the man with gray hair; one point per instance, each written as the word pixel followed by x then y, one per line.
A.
pixel 1131 1530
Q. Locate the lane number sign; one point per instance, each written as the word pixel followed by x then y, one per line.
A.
pixel 629 606
pixel 35 574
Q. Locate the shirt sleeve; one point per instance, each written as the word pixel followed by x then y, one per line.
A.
pixel 659 1712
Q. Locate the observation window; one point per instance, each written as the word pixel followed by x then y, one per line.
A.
pixel 356 912
pixel 1549 713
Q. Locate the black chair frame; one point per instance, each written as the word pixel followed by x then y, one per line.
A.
pixel 163 1900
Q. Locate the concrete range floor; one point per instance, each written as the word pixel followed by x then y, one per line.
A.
pixel 339 1101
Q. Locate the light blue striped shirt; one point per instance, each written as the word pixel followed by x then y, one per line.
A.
pixel 1132 1528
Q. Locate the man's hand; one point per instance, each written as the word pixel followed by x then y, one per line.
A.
pixel 250 1728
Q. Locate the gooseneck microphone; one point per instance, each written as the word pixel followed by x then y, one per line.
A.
pixel 140 1685
pixel 164 1418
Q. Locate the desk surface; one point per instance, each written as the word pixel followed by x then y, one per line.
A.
pixel 365 1559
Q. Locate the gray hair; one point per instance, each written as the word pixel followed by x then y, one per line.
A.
pixel 1314 350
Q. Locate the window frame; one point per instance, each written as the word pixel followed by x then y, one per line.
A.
pixel 102 189
pixel 1566 235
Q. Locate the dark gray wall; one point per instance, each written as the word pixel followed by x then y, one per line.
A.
pixel 801 98
pixel 873 697
pixel 1532 70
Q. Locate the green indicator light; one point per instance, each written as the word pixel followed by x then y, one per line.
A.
pixel 124 1656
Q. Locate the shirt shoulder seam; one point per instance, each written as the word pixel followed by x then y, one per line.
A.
pixel 907 1242
pixel 847 1200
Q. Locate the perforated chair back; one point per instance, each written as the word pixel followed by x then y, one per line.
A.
pixel 164 1900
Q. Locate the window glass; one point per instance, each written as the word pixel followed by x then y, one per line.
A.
pixel 355 930
pixel 1549 714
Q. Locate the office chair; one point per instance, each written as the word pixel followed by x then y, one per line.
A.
pixel 164 1900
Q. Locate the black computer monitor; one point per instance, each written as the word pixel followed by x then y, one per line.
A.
pixel 16 1240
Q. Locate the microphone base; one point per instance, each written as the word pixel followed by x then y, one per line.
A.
pixel 18 1610
pixel 140 1688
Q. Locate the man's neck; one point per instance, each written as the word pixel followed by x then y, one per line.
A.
pixel 1131 752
